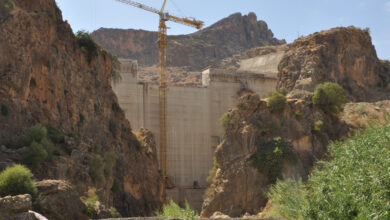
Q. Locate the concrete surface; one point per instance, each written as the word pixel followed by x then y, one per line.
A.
pixel 194 129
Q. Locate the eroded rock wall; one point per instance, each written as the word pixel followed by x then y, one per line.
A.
pixel 46 78
pixel 238 187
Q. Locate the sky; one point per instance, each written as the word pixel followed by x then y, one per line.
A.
pixel 288 19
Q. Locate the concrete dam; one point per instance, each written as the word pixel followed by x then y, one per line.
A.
pixel 194 129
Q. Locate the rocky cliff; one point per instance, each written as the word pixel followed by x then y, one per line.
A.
pixel 225 38
pixel 238 187
pixel 255 136
pixel 45 77
pixel 342 55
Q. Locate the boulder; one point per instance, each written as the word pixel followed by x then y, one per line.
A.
pixel 16 208
pixel 59 200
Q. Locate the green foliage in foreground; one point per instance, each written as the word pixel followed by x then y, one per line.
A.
pixel 330 97
pixel 17 180
pixel 353 184
pixel 173 210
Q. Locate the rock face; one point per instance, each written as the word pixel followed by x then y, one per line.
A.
pixel 238 187
pixel 16 208
pixel 342 55
pixel 46 78
pixel 223 39
pixel 59 200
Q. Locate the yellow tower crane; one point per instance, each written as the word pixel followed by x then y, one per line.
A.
pixel 162 46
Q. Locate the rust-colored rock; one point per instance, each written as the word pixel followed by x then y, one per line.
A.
pixel 342 55
pixel 238 187
pixel 46 78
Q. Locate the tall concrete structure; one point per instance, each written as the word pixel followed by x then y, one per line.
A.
pixel 194 130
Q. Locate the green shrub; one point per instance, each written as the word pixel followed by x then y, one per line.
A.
pixel 109 162
pixel 90 202
pixel 330 97
pixel 289 200
pixel 276 102
pixel 271 157
pixel 317 126
pixel 87 44
pixel 36 133
pixel 213 171
pixel 225 120
pixel 54 134
pixel 353 184
pixel 34 155
pixel 240 105
pixel 17 180
pixel 114 213
pixel 96 168
pixel 6 7
pixel 173 210
pixel 4 110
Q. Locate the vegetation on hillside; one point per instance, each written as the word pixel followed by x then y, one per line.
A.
pixel 174 210
pixel 271 157
pixel 330 97
pixel 353 184
pixel 87 44
pixel 6 7
pixel 17 180
pixel 276 102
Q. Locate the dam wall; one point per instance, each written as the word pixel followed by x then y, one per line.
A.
pixel 194 129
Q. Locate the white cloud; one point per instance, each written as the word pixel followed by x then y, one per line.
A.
pixel 387 6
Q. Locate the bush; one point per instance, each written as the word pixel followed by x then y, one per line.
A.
pixel 330 97
pixel 173 210
pixel 225 120
pixel 55 135
pixel 17 180
pixel 36 133
pixel 276 102
pixel 96 168
pixel 213 171
pixel 353 184
pixel 34 155
pixel 272 156
pixel 317 126
pixel 288 199
pixel 90 202
pixel 109 162
pixel 6 7
pixel 87 44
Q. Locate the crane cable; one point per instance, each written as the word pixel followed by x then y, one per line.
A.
pixel 177 8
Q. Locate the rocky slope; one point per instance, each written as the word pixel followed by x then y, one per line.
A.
pixel 46 78
pixel 228 36
pixel 342 55
pixel 193 52
pixel 238 187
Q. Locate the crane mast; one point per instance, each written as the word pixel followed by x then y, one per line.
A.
pixel 162 47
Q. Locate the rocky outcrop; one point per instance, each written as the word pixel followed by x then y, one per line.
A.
pixel 16 208
pixel 342 55
pixel 46 78
pixel 238 186
pixel 223 39
pixel 59 200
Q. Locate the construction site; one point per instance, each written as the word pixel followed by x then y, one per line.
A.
pixel 193 116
